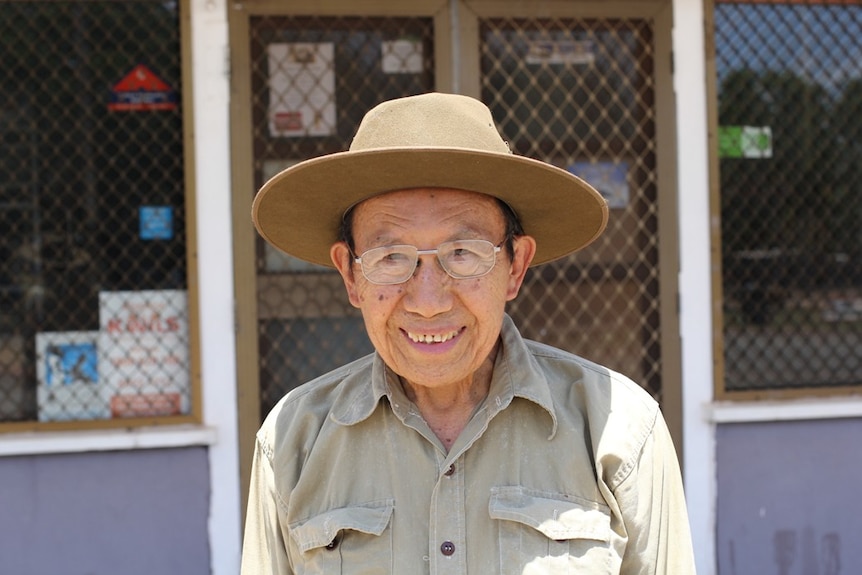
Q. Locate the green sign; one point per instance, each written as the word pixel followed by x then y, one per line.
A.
pixel 744 142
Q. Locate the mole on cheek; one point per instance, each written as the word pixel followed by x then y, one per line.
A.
pixel 380 297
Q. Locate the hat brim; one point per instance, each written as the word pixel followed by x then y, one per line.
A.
pixel 299 210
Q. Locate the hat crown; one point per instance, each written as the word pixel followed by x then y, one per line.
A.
pixel 432 120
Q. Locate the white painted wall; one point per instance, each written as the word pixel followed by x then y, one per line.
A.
pixel 211 85
pixel 694 278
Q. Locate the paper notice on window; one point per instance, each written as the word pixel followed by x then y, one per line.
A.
pixel 67 371
pixel 402 57
pixel 565 52
pixel 301 89
pixel 144 352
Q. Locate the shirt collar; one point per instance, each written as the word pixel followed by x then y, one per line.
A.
pixel 356 399
pixel 516 374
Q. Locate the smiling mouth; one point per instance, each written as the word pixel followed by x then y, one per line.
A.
pixel 436 338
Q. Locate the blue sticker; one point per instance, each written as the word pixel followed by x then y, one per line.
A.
pixel 609 178
pixel 157 222
pixel 70 363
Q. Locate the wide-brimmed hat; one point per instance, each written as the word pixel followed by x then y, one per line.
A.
pixel 428 141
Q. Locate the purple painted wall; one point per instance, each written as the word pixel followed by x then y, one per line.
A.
pixel 788 498
pixel 139 512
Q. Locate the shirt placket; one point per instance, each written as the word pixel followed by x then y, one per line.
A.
pixel 448 533
pixel 447 545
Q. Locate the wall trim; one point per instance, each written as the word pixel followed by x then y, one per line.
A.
pixel 695 290
pixel 44 443
pixel 784 410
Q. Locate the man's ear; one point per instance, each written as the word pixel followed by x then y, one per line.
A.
pixel 524 248
pixel 342 259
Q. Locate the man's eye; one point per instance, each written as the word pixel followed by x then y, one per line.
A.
pixel 394 258
pixel 462 253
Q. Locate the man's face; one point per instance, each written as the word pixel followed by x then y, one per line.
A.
pixel 465 315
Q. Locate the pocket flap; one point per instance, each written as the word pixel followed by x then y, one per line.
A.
pixel 556 515
pixel 320 530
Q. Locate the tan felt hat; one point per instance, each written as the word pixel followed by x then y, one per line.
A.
pixel 428 141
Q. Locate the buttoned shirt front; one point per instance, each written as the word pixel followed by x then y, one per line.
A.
pixel 566 467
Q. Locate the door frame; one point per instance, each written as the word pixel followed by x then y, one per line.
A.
pixel 457 69
pixel 242 178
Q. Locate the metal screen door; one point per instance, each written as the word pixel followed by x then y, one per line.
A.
pixel 573 93
pixel 581 93
pixel 584 94
pixel 313 78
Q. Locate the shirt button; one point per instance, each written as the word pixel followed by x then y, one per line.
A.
pixel 449 471
pixel 447 548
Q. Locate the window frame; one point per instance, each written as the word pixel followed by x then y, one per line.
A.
pixel 194 415
pixel 767 403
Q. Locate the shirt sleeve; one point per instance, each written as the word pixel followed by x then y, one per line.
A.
pixel 652 503
pixel 264 551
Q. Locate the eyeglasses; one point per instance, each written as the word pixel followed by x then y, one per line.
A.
pixel 461 259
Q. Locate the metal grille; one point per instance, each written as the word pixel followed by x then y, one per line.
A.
pixel 789 78
pixel 313 79
pixel 579 94
pixel 93 313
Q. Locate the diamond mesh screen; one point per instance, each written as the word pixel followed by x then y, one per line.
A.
pixel 579 94
pixel 93 313
pixel 789 78
pixel 313 79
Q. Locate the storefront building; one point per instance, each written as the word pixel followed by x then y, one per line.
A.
pixel 145 330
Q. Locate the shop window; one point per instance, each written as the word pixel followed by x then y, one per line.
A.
pixel 94 307
pixel 789 88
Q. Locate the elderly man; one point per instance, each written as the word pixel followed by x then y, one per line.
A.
pixel 458 446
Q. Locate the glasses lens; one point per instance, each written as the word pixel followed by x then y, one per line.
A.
pixel 467 258
pixel 389 264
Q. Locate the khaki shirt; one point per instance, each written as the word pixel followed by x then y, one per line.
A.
pixel 566 467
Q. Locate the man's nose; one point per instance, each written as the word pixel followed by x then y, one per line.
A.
pixel 428 292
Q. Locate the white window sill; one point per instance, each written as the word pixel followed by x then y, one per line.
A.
pixel 40 443
pixel 784 410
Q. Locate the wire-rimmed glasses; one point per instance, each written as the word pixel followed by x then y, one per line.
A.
pixel 461 259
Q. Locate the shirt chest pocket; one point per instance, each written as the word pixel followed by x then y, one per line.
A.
pixel 348 540
pixel 549 533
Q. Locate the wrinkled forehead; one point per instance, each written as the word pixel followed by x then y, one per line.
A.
pixel 428 208
pixel 407 199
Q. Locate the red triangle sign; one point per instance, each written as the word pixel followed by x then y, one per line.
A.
pixel 139 79
pixel 141 89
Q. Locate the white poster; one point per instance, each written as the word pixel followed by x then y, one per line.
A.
pixel 144 352
pixel 301 89
pixel 68 375
pixel 402 57
pixel 566 52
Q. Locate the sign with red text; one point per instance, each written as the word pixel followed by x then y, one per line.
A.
pixel 144 352
pixel 301 89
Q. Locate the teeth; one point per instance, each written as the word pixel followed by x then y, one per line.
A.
pixel 437 338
